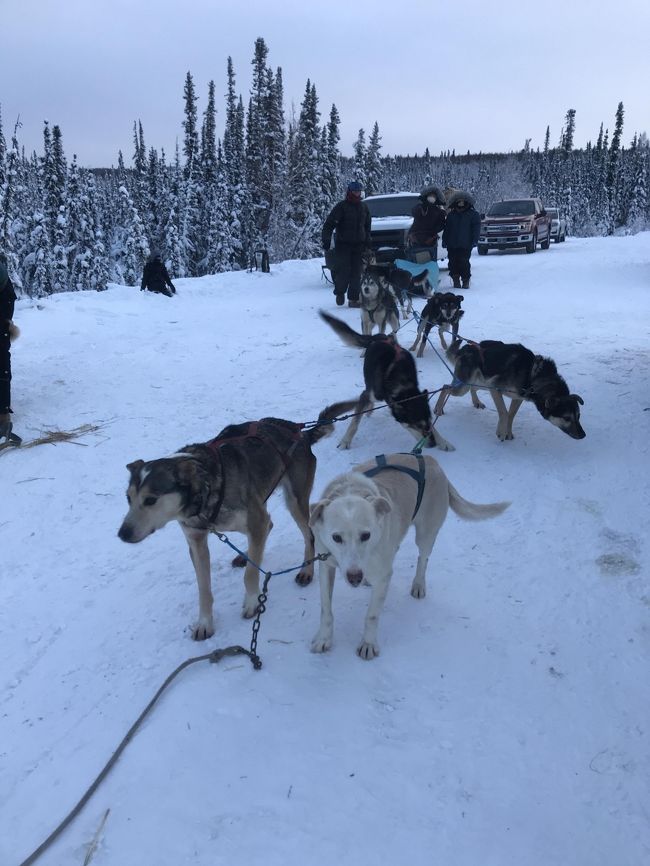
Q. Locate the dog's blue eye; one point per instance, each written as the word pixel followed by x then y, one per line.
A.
pixel 150 500
pixel 364 536
pixel 337 538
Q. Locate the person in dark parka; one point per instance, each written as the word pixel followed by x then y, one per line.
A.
pixel 352 221
pixel 156 277
pixel 461 233
pixel 429 217
pixel 7 331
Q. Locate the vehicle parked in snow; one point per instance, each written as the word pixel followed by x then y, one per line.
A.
pixel 558 225
pixel 391 220
pixel 513 223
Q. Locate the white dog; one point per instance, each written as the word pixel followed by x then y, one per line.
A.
pixel 361 521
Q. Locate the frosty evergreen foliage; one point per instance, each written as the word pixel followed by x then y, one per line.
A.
pixel 270 182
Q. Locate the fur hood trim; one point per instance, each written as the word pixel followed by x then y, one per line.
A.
pixel 458 195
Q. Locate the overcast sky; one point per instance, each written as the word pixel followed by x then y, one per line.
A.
pixel 438 75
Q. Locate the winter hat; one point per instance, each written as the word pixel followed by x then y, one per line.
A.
pixel 355 186
pixel 460 195
pixel 432 190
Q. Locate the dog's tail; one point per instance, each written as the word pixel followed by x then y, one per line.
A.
pixel 345 332
pixel 14 332
pixel 454 349
pixel 325 424
pixel 470 510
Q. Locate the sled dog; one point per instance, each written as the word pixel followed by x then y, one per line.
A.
pixel 402 284
pixel 378 306
pixel 389 375
pixel 361 520
pixel 443 311
pixel 223 485
pixel 511 370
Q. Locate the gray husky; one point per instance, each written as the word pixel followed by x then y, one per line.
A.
pixel 223 485
pixel 512 370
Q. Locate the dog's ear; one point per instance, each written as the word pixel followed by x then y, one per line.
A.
pixel 382 505
pixel 578 398
pixel 550 402
pixel 460 298
pixel 316 511
pixel 135 467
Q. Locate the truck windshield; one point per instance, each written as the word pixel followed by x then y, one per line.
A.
pixel 552 212
pixel 512 208
pixel 400 205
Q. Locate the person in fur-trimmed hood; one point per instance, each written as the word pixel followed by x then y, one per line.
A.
pixel 429 217
pixel 8 333
pixel 461 233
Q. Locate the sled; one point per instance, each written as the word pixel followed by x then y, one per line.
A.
pixel 414 268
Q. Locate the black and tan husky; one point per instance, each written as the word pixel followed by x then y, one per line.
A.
pixel 223 485
pixel 389 375
pixel 512 370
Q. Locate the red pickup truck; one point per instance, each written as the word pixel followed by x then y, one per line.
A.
pixel 512 223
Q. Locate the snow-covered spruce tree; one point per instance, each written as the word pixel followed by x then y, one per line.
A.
pixel 55 177
pixel 234 156
pixel 174 229
pixel 305 218
pixel 98 269
pixel 189 192
pixel 136 245
pixel 220 253
pixel 639 200
pixel 12 209
pixel 277 165
pixel 206 185
pixel 373 168
pixel 613 167
pixel 359 169
pixel 256 122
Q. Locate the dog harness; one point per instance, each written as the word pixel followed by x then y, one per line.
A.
pixel 418 476
pixel 252 432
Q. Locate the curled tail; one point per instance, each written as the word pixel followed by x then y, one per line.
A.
pixel 470 510
pixel 14 331
pixel 346 333
pixel 325 424
pixel 454 349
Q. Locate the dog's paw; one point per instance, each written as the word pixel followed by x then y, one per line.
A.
pixel 418 590
pixel 304 577
pixel 343 445
pixel 367 650
pixel 202 630
pixel 479 405
pixel 321 643
pixel 443 445
pixel 239 561
pixel 249 607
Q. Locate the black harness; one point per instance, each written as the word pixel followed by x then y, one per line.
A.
pixel 418 476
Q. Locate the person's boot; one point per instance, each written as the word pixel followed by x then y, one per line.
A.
pixel 5 425
pixel 465 283
pixel 340 300
pixel 456 280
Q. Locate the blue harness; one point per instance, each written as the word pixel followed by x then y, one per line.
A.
pixel 417 476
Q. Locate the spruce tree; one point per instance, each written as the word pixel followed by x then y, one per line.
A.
pixel 373 169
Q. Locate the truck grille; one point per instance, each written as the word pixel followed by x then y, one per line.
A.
pixel 502 227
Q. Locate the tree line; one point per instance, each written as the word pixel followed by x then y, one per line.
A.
pixel 268 182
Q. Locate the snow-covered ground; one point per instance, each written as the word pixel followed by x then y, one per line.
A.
pixel 506 720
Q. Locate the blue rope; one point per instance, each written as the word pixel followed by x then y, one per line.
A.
pixel 226 540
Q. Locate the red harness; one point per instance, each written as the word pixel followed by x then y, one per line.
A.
pixel 252 432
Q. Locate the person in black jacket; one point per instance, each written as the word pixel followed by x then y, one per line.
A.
pixel 461 233
pixel 7 330
pixel 156 277
pixel 351 219
pixel 429 217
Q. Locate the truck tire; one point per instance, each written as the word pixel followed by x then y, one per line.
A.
pixel 532 246
pixel 547 243
pixel 482 250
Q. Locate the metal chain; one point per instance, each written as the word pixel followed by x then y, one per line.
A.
pixel 259 610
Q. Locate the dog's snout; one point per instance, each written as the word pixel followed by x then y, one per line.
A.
pixel 354 576
pixel 125 533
